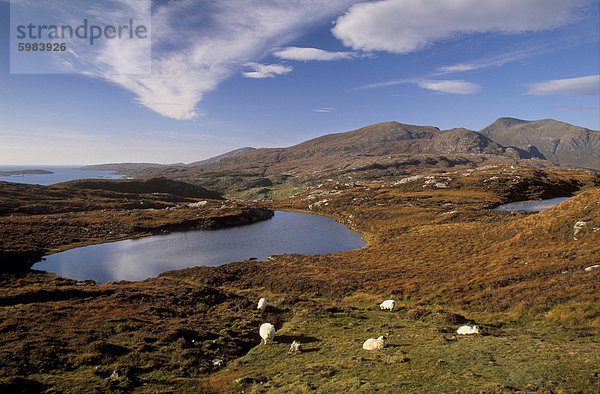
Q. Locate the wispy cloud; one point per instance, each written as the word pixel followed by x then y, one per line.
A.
pixel 578 108
pixel 521 54
pixel 454 86
pixel 196 45
pixel 403 26
pixel 450 86
pixel 308 54
pixel 497 60
pixel 385 84
pixel 581 86
pixel 266 70
pixel 323 110
pixel 459 68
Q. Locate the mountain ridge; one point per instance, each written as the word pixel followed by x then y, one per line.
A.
pixel 559 142
pixel 546 142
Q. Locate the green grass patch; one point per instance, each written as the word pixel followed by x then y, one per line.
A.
pixel 420 356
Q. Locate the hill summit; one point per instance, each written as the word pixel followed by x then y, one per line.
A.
pixel 558 142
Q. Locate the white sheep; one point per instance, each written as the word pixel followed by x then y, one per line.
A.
pixel 388 304
pixel 267 332
pixel 262 305
pixel 374 344
pixel 217 362
pixel 466 330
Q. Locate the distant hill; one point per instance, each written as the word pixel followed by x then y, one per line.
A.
pixel 218 158
pixel 128 167
pixel 388 149
pixel 410 144
pixel 121 167
pixel 395 138
pixel 138 186
pixel 25 172
pixel 558 142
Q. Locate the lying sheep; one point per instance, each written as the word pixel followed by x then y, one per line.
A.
pixel 466 330
pixel 267 332
pixel 262 305
pixel 374 344
pixel 388 304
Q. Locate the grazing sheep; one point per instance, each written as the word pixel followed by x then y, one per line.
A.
pixel 466 330
pixel 374 344
pixel 262 305
pixel 267 332
pixel 217 362
pixel 388 304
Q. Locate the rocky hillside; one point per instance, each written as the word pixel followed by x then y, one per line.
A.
pixel 367 143
pixel 218 158
pixel 559 142
pixel 123 167
pixel 137 186
pixel 385 150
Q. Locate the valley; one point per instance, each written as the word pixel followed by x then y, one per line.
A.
pixel 435 245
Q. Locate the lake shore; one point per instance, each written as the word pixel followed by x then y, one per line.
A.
pixel 39 220
pixel 515 274
pixel 285 232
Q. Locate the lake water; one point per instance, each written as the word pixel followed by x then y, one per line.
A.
pixel 536 205
pixel 286 232
pixel 61 174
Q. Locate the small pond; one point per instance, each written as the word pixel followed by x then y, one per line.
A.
pixel 286 232
pixel 536 205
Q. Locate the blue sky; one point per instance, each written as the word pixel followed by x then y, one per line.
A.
pixel 229 73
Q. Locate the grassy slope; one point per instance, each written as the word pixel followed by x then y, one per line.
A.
pixel 424 356
pixel 520 275
pixel 432 249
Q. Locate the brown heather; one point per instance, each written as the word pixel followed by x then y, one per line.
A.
pixel 440 251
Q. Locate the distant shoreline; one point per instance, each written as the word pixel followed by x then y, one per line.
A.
pixel 25 172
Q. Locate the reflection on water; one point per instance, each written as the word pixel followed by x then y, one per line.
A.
pixel 286 232
pixel 538 205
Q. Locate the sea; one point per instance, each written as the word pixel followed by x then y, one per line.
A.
pixel 60 174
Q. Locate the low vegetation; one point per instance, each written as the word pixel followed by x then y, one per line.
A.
pixel 435 245
pixel 37 220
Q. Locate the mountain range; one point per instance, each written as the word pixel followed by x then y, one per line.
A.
pixel 400 148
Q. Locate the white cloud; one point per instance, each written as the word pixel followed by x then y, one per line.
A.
pixel 266 70
pixel 455 86
pixel 402 26
pixel 578 108
pixel 523 53
pixel 197 44
pixel 581 86
pixel 323 110
pixel 450 86
pixel 385 84
pixel 308 54
pixel 459 68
